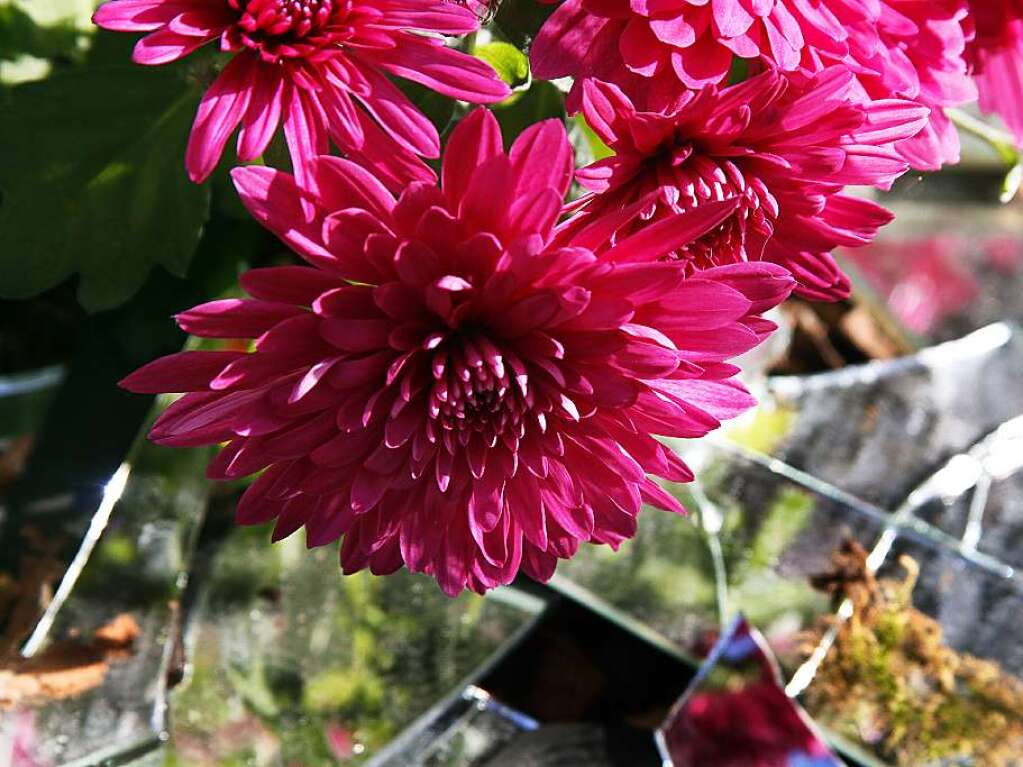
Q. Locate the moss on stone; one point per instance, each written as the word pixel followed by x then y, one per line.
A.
pixel 891 682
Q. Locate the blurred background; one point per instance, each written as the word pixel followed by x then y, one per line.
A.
pixel 845 590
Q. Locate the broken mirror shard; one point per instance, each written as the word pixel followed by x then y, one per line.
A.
pixel 90 681
pixel 760 536
pixel 943 272
pixel 752 541
pixel 978 611
pixel 899 669
pixel 978 496
pixel 284 657
pixel 291 660
pixel 877 430
pixel 24 398
pixel 736 713
pixel 468 729
pixel 148 651
pixel 556 695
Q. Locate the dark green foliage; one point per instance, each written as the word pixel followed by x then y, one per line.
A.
pixel 93 191
pixel 540 102
pixel 93 181
pixel 21 36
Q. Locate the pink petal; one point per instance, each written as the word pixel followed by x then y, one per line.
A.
pixel 542 158
pixel 181 372
pixel 221 109
pixel 564 40
pixel 165 46
pixel 661 238
pixel 398 116
pixel 447 71
pixel 305 131
pixel 273 198
pixel 234 318
pixel 299 285
pixel 145 15
pixel 475 139
pixel 263 114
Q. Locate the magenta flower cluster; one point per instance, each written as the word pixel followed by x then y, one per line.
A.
pixel 468 376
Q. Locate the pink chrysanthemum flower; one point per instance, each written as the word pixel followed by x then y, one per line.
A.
pixel 782 147
pixel 909 49
pixel 656 50
pixel 443 386
pixel 318 66
pixel 915 49
pixel 997 58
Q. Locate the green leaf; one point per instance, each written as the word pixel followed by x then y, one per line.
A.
pixel 541 101
pixel 519 22
pixel 93 182
pixel 508 61
pixel 77 13
pixel 92 422
pixel 1011 184
pixel 595 146
pixel 739 71
pixel 20 35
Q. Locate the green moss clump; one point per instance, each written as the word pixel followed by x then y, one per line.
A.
pixel 889 680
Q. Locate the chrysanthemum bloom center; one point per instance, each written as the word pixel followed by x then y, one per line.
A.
pixel 690 179
pixel 473 393
pixel 281 28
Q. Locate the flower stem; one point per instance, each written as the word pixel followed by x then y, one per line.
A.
pixel 1001 142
